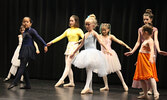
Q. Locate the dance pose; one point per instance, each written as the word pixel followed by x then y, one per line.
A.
pixel 147 19
pixel 90 58
pixel 114 63
pixel 145 67
pixel 73 34
pixel 27 52
pixel 15 61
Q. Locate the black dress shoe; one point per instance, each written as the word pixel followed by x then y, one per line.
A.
pixel 25 87
pixel 11 86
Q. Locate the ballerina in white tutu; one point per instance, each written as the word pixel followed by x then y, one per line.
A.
pixel 113 61
pixel 90 58
pixel 15 61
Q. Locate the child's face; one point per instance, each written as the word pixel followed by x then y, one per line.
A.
pixel 104 31
pixel 147 19
pixel 89 25
pixel 26 22
pixel 146 35
pixel 72 22
pixel 22 30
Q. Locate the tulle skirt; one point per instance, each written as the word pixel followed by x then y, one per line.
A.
pixel 92 59
pixel 113 61
pixel 27 52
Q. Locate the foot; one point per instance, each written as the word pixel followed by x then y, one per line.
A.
pixel 104 89
pixel 85 91
pixel 25 87
pixel 125 88
pixel 90 91
pixel 69 85
pixel 149 92
pixel 12 86
pixel 142 97
pixel 156 96
pixel 6 79
pixel 60 82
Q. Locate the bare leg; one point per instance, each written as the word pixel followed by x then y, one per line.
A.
pixel 122 80
pixel 105 88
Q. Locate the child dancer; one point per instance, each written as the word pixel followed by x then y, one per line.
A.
pixel 146 63
pixel 15 61
pixel 114 64
pixel 147 18
pixel 73 33
pixel 27 52
pixel 90 58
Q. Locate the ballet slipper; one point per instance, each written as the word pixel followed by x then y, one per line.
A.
pixel 142 97
pixel 104 89
pixel 141 93
pixel 90 91
pixel 6 79
pixel 85 91
pixel 60 82
pixel 69 85
pixel 149 92
pixel 156 96
pixel 125 88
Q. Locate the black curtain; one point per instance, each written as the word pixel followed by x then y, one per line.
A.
pixel 50 19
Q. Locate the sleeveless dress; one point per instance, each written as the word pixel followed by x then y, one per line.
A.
pixel 135 83
pixel 113 61
pixel 91 58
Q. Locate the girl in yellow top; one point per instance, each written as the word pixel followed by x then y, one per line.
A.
pixel 73 34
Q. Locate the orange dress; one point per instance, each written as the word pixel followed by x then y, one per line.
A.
pixel 144 68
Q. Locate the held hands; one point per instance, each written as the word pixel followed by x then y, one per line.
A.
pixel 128 53
pixel 45 49
pixel 49 44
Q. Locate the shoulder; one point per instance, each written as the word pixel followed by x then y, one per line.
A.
pixel 155 29
pixel 32 30
pixel 140 29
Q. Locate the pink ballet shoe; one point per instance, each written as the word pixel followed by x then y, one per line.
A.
pixel 6 79
pixel 69 85
pixel 142 97
pixel 85 91
pixel 104 89
pixel 60 82
pixel 90 91
pixel 156 96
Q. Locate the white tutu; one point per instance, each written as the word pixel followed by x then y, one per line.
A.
pixel 15 61
pixel 92 59
pixel 113 61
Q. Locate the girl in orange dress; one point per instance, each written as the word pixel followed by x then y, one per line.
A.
pixel 146 64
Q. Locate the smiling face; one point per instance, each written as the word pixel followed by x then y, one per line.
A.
pixel 89 25
pixel 147 19
pixel 26 22
pixel 104 30
pixel 71 22
pixel 22 29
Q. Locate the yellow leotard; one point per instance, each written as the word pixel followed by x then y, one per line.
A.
pixel 72 34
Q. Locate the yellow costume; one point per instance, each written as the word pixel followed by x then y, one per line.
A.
pixel 73 35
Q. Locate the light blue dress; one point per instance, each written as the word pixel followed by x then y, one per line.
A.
pixel 91 58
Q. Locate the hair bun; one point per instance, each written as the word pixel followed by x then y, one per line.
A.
pixel 92 16
pixel 148 11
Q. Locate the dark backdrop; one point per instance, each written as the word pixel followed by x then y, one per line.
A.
pixel 51 19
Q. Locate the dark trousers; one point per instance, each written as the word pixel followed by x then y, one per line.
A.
pixel 22 71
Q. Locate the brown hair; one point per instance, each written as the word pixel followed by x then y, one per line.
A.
pixel 76 18
pixel 149 13
pixel 148 28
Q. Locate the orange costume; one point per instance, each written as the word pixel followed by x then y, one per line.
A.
pixel 144 68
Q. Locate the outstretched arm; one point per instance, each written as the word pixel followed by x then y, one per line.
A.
pixel 157 44
pixel 135 47
pixel 57 39
pixel 101 43
pixel 112 37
